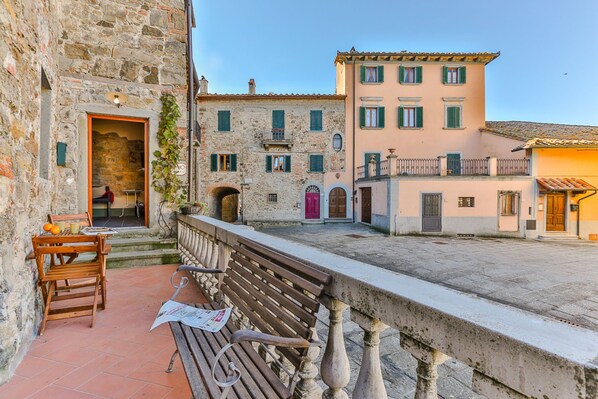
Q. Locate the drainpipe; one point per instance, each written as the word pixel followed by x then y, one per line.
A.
pixel 579 209
pixel 353 193
pixel 190 95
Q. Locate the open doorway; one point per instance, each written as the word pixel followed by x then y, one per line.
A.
pixel 225 204
pixel 118 178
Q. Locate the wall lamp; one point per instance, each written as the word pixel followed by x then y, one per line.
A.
pixel 117 98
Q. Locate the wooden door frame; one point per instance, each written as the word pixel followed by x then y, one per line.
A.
pixel 422 206
pixel 565 194
pixel 145 122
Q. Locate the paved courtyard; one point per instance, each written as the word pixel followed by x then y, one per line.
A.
pixel 556 279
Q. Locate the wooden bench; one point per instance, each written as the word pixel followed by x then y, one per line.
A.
pixel 278 296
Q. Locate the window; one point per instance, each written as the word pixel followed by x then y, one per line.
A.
pixel 453 117
pixel 224 121
pixel 278 163
pixel 315 120
pixel 337 142
pixel 316 163
pixel 411 117
pixel 371 117
pixel 278 125
pixel 272 198
pixel 453 75
pixel 223 162
pixel 508 204
pixel 410 74
pixel 466 202
pixel 372 74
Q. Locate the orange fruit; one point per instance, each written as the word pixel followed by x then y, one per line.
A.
pixel 55 230
pixel 48 226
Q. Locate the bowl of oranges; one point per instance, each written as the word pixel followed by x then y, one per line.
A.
pixel 52 228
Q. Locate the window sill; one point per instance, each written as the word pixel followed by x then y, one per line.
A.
pixel 453 84
pixel 409 83
pixel 371 83
pixel 319 172
pixel 371 128
pixel 224 131
pixel 317 131
pixel 453 128
pixel 410 128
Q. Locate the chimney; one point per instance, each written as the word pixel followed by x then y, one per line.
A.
pixel 251 86
pixel 203 85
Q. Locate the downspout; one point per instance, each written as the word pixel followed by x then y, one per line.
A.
pixel 353 166
pixel 190 96
pixel 579 210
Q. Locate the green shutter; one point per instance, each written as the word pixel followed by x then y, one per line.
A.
pixel 418 74
pixel 268 163
pixel 278 119
pixel 321 163
pixel 60 154
pixel 316 163
pixel 457 116
pixel 401 117
pixel 214 162
pixel 381 73
pixel 401 74
pixel 315 120
pixel 362 73
pixel 223 121
pixel 462 74
pixel 419 116
pixel 287 163
pixel 445 74
pixel 380 116
pixel 361 116
pixel 233 162
pixel 450 117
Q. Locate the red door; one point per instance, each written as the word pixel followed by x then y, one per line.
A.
pixel 312 205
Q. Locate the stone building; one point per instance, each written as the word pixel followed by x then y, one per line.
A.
pixel 273 157
pixel 79 79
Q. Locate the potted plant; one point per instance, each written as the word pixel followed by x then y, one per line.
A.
pixel 192 208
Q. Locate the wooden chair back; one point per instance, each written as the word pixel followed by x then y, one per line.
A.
pixel 84 219
pixel 277 293
pixel 66 245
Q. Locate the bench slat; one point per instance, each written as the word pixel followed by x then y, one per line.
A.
pixel 293 292
pixel 267 299
pixel 191 369
pixel 313 273
pixel 294 278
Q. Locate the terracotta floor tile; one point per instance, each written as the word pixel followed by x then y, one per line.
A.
pixel 16 379
pixel 112 386
pixel 87 372
pixel 151 391
pixel 32 366
pixel 155 373
pixel 30 386
pixel 75 356
pixel 55 392
pixel 181 392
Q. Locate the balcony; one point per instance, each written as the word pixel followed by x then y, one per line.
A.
pixel 277 137
pixel 510 353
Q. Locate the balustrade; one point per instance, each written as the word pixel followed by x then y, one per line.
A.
pixel 514 354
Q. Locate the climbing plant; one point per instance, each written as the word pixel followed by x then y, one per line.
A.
pixel 164 179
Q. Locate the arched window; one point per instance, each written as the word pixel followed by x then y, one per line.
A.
pixel 337 142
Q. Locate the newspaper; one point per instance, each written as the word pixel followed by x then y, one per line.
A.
pixel 209 320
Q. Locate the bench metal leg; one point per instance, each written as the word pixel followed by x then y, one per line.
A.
pixel 172 359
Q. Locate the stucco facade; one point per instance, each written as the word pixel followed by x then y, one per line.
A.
pixel 61 61
pixel 261 193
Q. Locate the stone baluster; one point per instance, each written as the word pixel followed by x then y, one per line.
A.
pixel 204 248
pixel 335 368
pixel 428 360
pixel 370 384
pixel 208 257
pixel 307 388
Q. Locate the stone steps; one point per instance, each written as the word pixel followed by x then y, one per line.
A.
pixel 141 244
pixel 338 220
pixel 558 237
pixel 142 258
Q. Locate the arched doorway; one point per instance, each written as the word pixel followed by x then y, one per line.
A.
pixel 337 203
pixel 312 202
pixel 225 204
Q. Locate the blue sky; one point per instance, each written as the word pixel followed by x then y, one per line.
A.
pixel 547 71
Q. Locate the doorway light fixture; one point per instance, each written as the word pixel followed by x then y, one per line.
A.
pixel 117 98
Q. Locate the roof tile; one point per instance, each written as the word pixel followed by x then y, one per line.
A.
pixel 565 184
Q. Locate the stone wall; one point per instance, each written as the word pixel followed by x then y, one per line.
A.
pixel 251 122
pixel 27 44
pixel 87 49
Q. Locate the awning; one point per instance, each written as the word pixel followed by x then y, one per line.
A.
pixel 565 184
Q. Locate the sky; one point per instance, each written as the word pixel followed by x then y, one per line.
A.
pixel 547 70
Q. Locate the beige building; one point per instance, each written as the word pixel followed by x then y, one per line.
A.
pixel 79 109
pixel 273 157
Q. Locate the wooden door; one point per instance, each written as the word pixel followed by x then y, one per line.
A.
pixel 366 205
pixel 312 203
pixel 337 203
pixel 432 213
pixel 555 212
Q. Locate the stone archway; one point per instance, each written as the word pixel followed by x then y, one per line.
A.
pixel 225 204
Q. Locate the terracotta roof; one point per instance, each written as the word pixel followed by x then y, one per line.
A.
pixel 269 96
pixel 525 131
pixel 556 143
pixel 343 57
pixel 565 184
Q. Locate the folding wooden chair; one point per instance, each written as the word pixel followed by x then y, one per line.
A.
pixel 84 219
pixel 84 274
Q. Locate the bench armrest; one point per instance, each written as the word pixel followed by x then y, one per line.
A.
pixel 190 268
pixel 268 339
